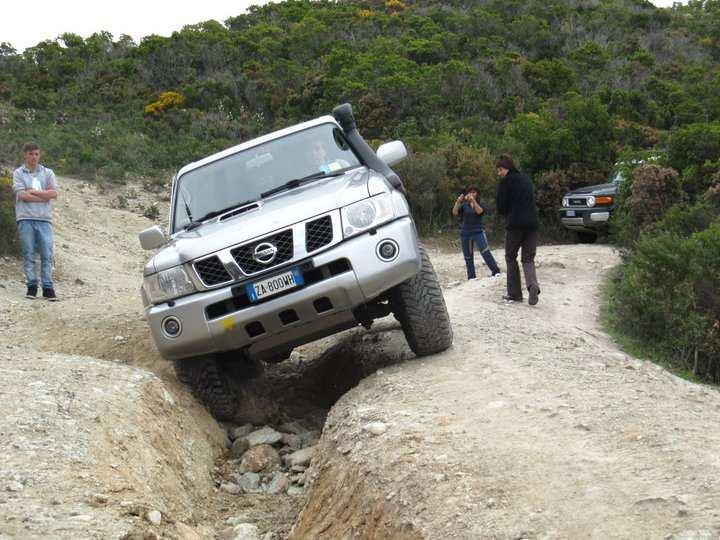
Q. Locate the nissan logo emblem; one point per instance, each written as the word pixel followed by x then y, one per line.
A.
pixel 265 253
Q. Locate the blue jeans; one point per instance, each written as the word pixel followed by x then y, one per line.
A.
pixel 466 241
pixel 36 236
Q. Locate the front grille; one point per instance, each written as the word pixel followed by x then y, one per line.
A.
pixel 577 201
pixel 240 300
pixel 243 255
pixel 212 271
pixel 318 233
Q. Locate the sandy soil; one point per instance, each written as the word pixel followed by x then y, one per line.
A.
pixel 533 425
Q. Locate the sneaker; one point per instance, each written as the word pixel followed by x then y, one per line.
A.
pixel 49 294
pixel 497 275
pixel 534 291
pixel 31 292
pixel 509 298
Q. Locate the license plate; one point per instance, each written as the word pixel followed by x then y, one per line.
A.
pixel 570 213
pixel 274 285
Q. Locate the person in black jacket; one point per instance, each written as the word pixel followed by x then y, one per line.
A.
pixel 516 201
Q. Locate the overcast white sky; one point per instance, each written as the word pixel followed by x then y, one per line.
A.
pixel 24 25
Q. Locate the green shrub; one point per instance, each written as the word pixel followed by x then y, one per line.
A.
pixel 643 199
pixel 668 296
pixel 8 237
pixel 122 201
pixel 654 190
pixel 151 211
pixel 694 144
pixel 425 180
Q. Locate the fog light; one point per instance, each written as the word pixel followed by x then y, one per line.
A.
pixel 171 327
pixel 387 250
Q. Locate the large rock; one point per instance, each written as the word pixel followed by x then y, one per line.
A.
pixel 231 488
pixel 292 441
pixel 265 435
pixel 301 458
pixel 239 447
pixel 310 438
pixel 260 458
pixel 248 482
pixel 278 484
pixel 240 431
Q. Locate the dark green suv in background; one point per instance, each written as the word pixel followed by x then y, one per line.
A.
pixel 587 210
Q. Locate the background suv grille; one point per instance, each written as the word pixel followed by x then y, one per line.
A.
pixel 212 271
pixel 318 233
pixel 243 255
pixel 577 201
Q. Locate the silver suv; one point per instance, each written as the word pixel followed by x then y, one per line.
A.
pixel 282 240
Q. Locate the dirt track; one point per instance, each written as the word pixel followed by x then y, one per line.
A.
pixel 534 425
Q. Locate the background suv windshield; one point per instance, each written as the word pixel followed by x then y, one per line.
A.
pixel 244 176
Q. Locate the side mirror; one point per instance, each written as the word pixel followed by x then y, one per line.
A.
pixel 392 152
pixel 152 238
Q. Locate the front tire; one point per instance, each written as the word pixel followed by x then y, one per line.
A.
pixel 209 383
pixel 419 305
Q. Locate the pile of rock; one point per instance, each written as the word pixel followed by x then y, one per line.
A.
pixel 268 460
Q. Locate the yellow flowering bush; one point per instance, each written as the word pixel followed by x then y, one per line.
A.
pixel 167 100
pixel 395 4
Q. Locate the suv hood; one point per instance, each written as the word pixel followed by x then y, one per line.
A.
pixel 599 189
pixel 276 212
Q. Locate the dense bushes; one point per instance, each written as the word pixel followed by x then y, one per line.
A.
pixel 668 296
pixel 8 237
pixel 434 179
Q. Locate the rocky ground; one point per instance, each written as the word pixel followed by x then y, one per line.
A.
pixel 533 425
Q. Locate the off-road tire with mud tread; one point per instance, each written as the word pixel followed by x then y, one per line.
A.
pixel 206 378
pixel 419 305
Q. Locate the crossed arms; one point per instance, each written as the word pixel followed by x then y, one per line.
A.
pixel 37 195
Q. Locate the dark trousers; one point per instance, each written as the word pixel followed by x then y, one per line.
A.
pixel 514 241
pixel 479 238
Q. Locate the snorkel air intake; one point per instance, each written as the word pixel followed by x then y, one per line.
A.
pixel 344 116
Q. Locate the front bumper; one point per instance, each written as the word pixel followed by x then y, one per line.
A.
pixel 214 321
pixel 585 219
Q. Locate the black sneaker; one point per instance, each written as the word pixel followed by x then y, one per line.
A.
pixel 31 292
pixel 49 294
pixel 509 298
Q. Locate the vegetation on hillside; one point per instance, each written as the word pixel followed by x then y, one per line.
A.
pixel 566 85
pixel 569 87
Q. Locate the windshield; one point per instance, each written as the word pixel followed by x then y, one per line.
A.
pixel 244 176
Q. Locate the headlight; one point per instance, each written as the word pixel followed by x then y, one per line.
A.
pixel 367 213
pixel 168 284
pixel 566 202
pixel 590 201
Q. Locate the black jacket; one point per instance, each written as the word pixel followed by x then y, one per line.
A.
pixel 516 201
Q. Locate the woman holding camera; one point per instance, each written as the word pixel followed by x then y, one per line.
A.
pixel 470 211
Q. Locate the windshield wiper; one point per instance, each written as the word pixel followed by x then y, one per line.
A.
pixel 197 222
pixel 296 182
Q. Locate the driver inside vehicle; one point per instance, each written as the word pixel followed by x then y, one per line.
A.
pixel 322 161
